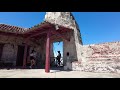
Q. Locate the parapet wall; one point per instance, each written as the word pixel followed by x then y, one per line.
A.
pixel 99 58
pixel 102 51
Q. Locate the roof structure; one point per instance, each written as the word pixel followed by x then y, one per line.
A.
pixel 15 29
pixel 40 29
pixel 11 29
pixel 36 31
pixel 45 25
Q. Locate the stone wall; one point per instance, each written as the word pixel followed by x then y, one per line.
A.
pixel 96 58
pixel 9 53
pixel 101 51
pixel 66 19
pixel 71 48
pixel 11 47
pixel 98 66
pixel 99 58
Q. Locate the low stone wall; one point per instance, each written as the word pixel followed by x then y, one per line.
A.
pixel 102 51
pixel 97 66
pixel 99 58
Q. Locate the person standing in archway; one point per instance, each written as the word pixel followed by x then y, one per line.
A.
pixel 59 57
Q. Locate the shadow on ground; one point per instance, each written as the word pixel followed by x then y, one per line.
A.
pixel 52 69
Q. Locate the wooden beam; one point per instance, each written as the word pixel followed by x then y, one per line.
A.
pixel 57 33
pixel 25 53
pixel 37 34
pixel 10 34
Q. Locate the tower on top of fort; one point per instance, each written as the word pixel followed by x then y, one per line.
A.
pixel 67 20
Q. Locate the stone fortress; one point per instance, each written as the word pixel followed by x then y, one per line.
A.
pixel 91 58
pixel 95 57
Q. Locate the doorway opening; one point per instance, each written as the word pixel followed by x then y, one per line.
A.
pixel 1 50
pixel 58 46
pixel 20 55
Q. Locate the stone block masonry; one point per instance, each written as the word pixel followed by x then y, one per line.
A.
pixel 103 51
pixel 67 20
pixel 93 58
pixel 99 58
pixel 10 48
pixel 90 58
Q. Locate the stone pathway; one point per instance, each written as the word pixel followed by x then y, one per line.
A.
pixel 40 73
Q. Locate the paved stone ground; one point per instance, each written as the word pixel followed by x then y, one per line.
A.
pixel 40 73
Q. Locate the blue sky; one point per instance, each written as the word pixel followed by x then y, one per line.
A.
pixel 99 27
pixel 95 27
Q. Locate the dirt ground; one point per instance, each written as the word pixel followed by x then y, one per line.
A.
pixel 40 73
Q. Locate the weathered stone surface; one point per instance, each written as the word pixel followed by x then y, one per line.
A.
pixel 90 58
pixel 66 19
pixel 60 18
pixel 100 62
pixel 9 53
pixel 10 49
pixel 97 66
pixel 94 58
pixel 102 51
